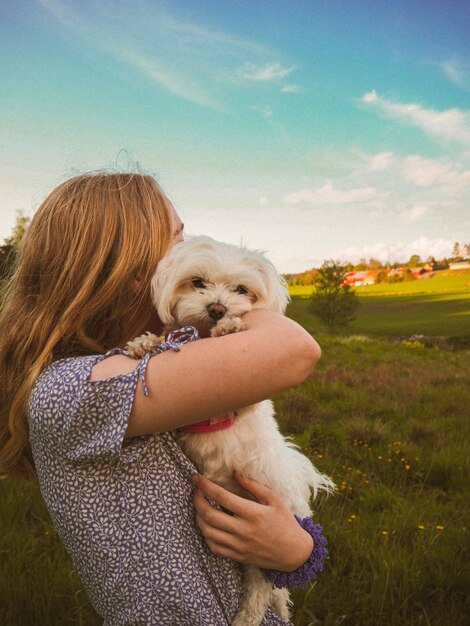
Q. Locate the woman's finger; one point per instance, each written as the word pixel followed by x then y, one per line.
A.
pixel 218 536
pixel 238 506
pixel 263 494
pixel 214 517
pixel 226 552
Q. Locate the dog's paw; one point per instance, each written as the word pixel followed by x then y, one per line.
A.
pixel 143 344
pixel 228 325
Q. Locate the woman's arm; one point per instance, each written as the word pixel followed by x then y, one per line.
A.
pixel 213 376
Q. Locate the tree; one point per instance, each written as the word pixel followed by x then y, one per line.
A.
pixel 414 261
pixel 456 253
pixel 375 264
pixel 361 266
pixel 332 301
pixel 10 246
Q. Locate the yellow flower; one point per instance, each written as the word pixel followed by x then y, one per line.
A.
pixel 421 526
pixel 352 516
pixel 407 467
pixel 439 527
pixel 385 533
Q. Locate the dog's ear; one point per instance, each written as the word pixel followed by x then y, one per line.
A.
pixel 276 295
pixel 163 285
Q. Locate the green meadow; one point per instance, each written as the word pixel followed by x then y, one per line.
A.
pixel 435 306
pixel 389 421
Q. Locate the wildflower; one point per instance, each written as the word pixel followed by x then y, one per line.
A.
pixel 421 526
pixel 439 527
pixel 379 457
pixel 407 467
pixel 385 533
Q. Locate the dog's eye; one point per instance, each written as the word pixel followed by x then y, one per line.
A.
pixel 198 283
pixel 241 290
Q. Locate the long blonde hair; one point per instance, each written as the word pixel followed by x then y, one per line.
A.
pixel 74 288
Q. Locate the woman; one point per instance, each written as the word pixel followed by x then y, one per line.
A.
pixel 96 427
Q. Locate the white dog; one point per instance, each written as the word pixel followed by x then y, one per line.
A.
pixel 211 285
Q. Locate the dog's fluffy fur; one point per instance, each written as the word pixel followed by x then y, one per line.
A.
pixel 211 285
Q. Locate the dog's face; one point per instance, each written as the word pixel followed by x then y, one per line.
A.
pixel 200 281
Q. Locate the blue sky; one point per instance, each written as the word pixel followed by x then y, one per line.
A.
pixel 309 129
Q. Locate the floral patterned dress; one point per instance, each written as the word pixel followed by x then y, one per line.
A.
pixel 123 507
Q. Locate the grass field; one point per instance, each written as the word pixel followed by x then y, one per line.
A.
pixel 438 306
pixel 390 422
pixel 442 282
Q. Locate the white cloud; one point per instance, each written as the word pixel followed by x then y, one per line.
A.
pixel 381 161
pixel 399 251
pixel 370 96
pixel 449 177
pixel 181 85
pixel 269 71
pixel 424 172
pixel 457 72
pixel 290 89
pixel 263 201
pixel 264 111
pixel 415 214
pixel 328 195
pixel 186 59
pixel 452 124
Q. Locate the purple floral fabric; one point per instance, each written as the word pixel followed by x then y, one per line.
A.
pixel 123 508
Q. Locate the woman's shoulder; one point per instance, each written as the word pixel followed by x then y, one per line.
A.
pixel 69 374
pixel 81 419
pixel 66 369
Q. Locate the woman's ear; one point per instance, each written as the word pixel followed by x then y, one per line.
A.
pixel 138 283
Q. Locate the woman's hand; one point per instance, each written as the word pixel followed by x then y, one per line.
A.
pixel 263 533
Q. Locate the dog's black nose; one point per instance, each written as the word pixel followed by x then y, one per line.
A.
pixel 216 310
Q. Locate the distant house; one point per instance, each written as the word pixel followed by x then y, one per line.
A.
pixel 369 277
pixel 417 271
pixel 397 271
pixel 464 264
pixel 432 266
pixel 358 279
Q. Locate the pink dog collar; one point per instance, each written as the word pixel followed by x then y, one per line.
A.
pixel 209 426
